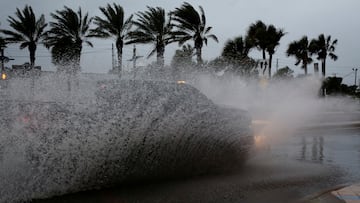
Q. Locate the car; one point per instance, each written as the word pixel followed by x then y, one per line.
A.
pixel 135 131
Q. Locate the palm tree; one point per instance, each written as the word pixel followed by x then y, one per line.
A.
pixel 236 49
pixel 113 25
pixel 265 38
pixel 66 37
pixel 273 40
pixel 152 27
pixel 256 36
pixel 28 30
pixel 192 25
pixel 323 47
pixel 301 51
pixel 235 55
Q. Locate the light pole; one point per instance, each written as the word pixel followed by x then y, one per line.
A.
pixel 355 69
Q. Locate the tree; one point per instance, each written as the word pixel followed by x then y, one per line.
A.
pixel 113 25
pixel 66 37
pixel 273 40
pixel 284 73
pixel 182 60
pixel 192 25
pixel 183 57
pixel 256 36
pixel 301 51
pixel 235 54
pixel 152 27
pixel 265 38
pixel 236 49
pixel 28 30
pixel 323 47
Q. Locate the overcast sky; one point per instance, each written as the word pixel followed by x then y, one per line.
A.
pixel 229 18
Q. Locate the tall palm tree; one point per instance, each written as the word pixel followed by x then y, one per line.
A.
pixel 27 30
pixel 301 51
pixel 256 36
pixel 113 25
pixel 265 38
pixel 323 47
pixel 192 25
pixel 66 37
pixel 273 40
pixel 152 27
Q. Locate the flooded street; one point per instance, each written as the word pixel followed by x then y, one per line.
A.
pixel 289 170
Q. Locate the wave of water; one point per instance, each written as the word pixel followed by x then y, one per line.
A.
pixel 130 131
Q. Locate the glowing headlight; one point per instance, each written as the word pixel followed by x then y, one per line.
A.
pixel 181 82
pixel 3 76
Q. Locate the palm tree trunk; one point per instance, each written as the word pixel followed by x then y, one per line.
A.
pixel 263 62
pixel 323 67
pixel 264 54
pixel 160 50
pixel 119 47
pixel 198 56
pixel 270 62
pixel 304 65
pixel 32 50
pixel 198 46
pixel 77 57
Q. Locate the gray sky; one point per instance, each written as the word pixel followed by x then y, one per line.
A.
pixel 229 18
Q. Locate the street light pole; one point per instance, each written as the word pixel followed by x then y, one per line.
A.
pixel 355 69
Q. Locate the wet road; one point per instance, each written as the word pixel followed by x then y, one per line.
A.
pixel 281 169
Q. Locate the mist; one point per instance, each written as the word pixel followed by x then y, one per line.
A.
pixel 278 107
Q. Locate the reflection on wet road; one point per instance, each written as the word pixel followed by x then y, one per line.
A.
pixel 335 149
pixel 285 170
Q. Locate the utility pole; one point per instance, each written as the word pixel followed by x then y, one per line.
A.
pixel 355 69
pixel 2 59
pixel 134 59
pixel 277 64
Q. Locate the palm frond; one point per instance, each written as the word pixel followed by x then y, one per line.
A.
pixel 24 45
pixel 212 36
pixel 152 52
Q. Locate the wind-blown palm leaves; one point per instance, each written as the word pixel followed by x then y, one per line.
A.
pixel 153 27
pixel 113 25
pixel 28 30
pixel 323 47
pixel 301 51
pixel 273 40
pixel 256 36
pixel 236 49
pixel 235 53
pixel 66 37
pixel 265 38
pixel 192 25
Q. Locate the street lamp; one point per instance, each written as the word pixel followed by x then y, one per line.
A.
pixel 355 69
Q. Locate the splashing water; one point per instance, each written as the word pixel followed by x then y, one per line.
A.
pixel 54 141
